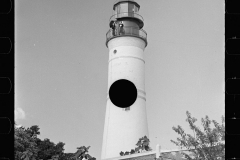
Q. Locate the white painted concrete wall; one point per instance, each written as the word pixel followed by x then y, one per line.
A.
pixel 123 128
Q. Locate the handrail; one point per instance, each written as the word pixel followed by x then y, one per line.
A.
pixel 126 31
pixel 126 14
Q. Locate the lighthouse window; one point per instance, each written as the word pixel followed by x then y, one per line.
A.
pixel 115 51
pixel 136 8
pixel 131 8
pixel 124 7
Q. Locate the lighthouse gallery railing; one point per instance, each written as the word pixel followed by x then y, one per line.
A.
pixel 126 31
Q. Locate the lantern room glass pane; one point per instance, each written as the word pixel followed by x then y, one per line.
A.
pixel 123 7
pixel 136 9
pixel 131 7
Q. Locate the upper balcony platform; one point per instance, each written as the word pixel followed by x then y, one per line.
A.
pixel 126 31
pixel 128 15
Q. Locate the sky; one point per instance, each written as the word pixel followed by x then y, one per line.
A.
pixel 61 67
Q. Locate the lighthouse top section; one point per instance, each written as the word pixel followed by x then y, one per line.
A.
pixel 127 9
pixel 126 21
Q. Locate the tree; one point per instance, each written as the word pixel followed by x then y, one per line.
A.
pixel 47 149
pixel 82 153
pixel 207 144
pixel 142 145
pixel 33 131
pixel 25 147
pixel 59 148
pixel 66 156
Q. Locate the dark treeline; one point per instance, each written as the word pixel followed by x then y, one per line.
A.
pixel 27 146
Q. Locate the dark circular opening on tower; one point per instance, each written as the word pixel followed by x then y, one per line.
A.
pixel 123 93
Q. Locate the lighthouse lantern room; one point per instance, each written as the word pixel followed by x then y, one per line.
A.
pixel 126 21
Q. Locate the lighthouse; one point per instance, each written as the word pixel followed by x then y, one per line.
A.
pixel 126 116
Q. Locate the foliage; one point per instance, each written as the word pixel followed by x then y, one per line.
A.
pixel 142 145
pixel 82 153
pixel 208 144
pixel 66 156
pixel 25 146
pixel 47 149
pixel 33 131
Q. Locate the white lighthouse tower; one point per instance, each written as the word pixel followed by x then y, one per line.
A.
pixel 126 117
